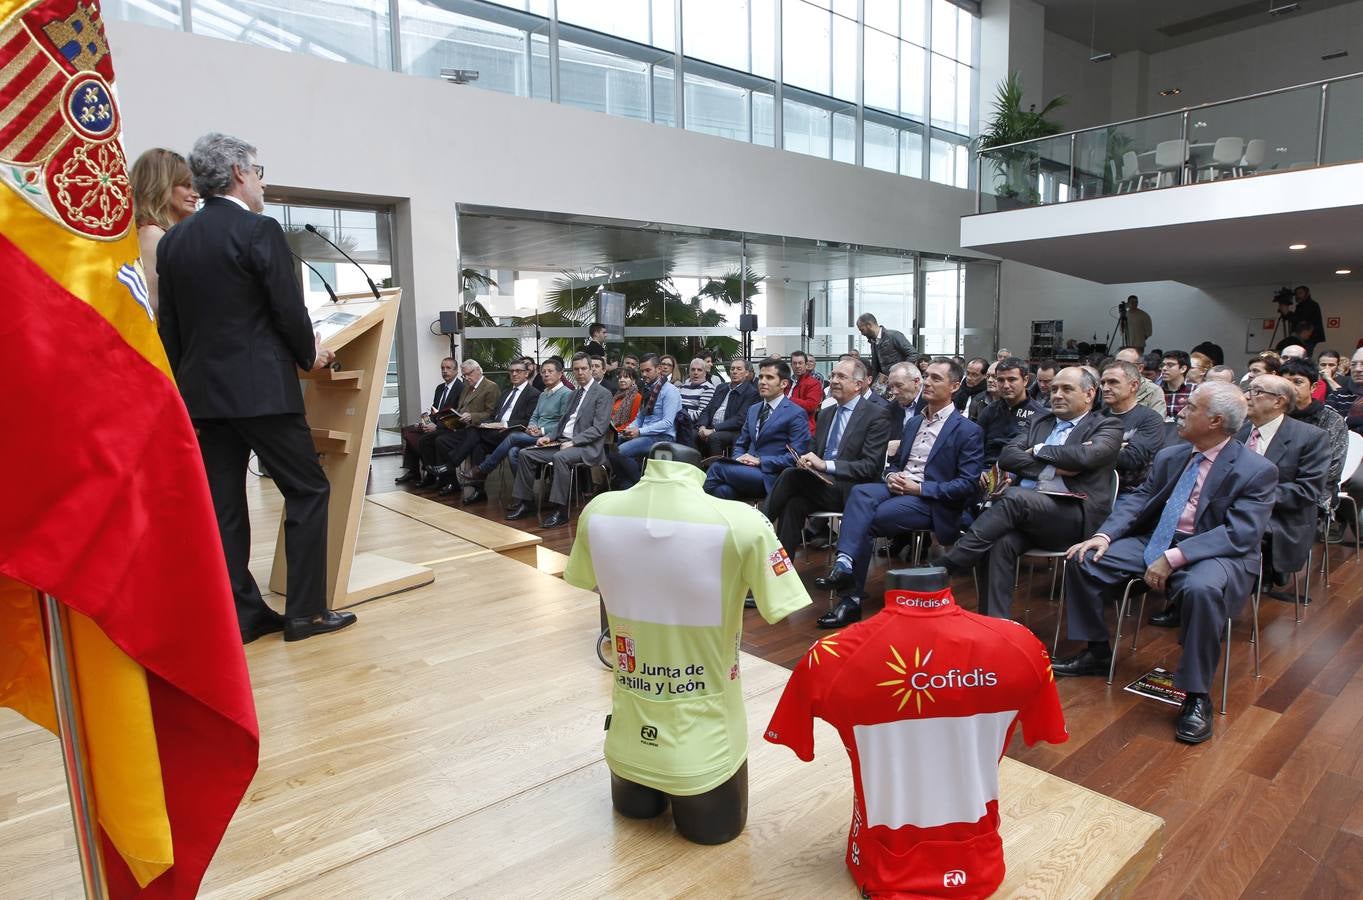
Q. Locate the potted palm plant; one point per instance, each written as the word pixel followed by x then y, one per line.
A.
pixel 1014 169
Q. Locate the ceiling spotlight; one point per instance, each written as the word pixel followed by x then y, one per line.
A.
pixel 1171 92
pixel 1100 57
pixel 1279 149
pixel 1296 246
pixel 1334 54
pixel 1344 271
pixel 1282 9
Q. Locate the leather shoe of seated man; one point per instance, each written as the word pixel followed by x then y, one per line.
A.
pixel 311 626
pixel 838 577
pixel 1168 618
pixel 478 495
pixel 429 480
pixel 519 511
pixel 845 613
pixel 557 518
pixel 1194 723
pixel 1087 662
pixel 406 476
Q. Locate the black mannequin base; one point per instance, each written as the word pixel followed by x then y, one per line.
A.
pixel 714 817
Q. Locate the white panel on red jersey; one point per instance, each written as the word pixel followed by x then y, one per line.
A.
pixel 916 790
pixel 673 576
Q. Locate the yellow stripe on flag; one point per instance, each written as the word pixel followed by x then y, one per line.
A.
pixel 115 709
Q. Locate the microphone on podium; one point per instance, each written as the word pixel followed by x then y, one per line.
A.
pixel 330 292
pixel 313 228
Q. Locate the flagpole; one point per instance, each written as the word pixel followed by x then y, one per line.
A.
pixel 73 751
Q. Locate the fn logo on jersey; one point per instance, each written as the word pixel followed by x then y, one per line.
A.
pixel 954 878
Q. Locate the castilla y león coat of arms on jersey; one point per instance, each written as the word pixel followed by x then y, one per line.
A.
pixel 59 145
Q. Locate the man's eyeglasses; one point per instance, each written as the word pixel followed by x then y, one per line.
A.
pixel 259 170
pixel 1256 392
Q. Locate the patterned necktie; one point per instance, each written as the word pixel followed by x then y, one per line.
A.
pixel 1163 537
pixel 506 402
pixel 1253 443
pixel 835 433
pixel 762 415
pixel 1054 439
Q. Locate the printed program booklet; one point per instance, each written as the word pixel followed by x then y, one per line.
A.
pixel 1158 684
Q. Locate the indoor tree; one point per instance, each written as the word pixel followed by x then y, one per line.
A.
pixel 1009 123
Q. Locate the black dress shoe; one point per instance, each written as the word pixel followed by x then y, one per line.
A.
pixel 519 511
pixel 1085 663
pixel 1194 724
pixel 942 559
pixel 837 578
pixel 556 519
pixel 1169 618
pixel 429 480
pixel 406 476
pixel 478 496
pixel 845 613
pixel 447 489
pixel 311 626
pixel 269 625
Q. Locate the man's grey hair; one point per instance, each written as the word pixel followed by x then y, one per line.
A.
pixel 212 159
pixel 907 368
pixel 860 371
pixel 1224 400
pixel 472 364
pixel 747 366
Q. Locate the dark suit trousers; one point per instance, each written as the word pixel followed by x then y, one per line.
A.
pixel 872 512
pixel 284 445
pixel 721 443
pixel 411 446
pixel 1207 592
pixel 735 481
pixel 1019 521
pixel 427 448
pixel 796 494
pixel 455 446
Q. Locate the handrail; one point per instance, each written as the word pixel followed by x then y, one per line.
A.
pixel 1173 112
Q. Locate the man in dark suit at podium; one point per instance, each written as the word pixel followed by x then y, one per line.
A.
pixel 236 332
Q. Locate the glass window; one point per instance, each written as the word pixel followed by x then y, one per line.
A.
pixel 763 13
pixel 763 119
pixel 889 298
pixel 880 147
pixel 354 31
pixel 713 107
pixel 664 96
pixel 717 31
pixel 158 13
pixel 845 137
pixel 882 70
pixel 435 39
pixel 949 163
pixel 664 25
pixel 913 21
pixel 806 46
pixel 943 307
pixel 944 31
pixel 628 19
pixel 910 153
pixel 539 7
pixel 883 17
pixel 604 82
pixel 806 128
pixel 950 95
pixel 539 66
pixel 965 37
pixel 912 85
pixel 845 58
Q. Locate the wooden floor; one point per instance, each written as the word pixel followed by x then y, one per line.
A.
pixel 425 769
pixel 1272 806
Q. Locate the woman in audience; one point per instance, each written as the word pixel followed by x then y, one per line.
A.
pixel 626 405
pixel 667 364
pixel 162 196
pixel 1199 364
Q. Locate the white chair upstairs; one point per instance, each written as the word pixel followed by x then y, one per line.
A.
pixel 1255 152
pixel 1131 172
pixel 1171 157
pixel 1226 155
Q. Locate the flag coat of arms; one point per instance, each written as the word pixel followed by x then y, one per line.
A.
pixel 111 515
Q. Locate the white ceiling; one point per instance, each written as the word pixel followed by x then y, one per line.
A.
pixel 1155 25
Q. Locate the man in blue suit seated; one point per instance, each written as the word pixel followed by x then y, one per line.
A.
pixel 656 421
pixel 929 482
pixel 1192 530
pixel 760 453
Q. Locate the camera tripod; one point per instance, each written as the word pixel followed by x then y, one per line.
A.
pixel 1120 332
pixel 1284 325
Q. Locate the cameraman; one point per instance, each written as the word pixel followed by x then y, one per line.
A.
pixel 1138 324
pixel 1307 311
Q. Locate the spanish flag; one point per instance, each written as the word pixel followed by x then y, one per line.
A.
pixel 106 506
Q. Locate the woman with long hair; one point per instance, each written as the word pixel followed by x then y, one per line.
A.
pixel 162 196
pixel 627 397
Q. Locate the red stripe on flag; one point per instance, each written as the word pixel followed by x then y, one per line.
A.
pixel 119 526
pixel 37 74
pixel 44 134
pixel 17 41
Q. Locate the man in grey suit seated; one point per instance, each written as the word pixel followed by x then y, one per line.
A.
pixel 1192 530
pixel 579 439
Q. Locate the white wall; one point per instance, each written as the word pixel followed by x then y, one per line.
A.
pixel 1012 39
pixel 330 129
pixel 1087 86
pixel 1182 316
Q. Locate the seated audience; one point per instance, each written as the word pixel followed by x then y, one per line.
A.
pixel 1211 351
pixel 697 390
pixel 1001 420
pixel 1191 530
pixel 713 373
pixel 1327 363
pixel 929 482
pixel 760 453
pixel 1291 350
pixel 1174 381
pixel 1199 364
pixel 904 389
pixel 476 442
pixel 722 420
pixel 1301 453
pixel 667 366
pixel 1071 450
pixel 656 421
pixel 1303 376
pixel 549 407
pixel 579 439
pixel 1041 384
pixel 625 406
pixel 476 404
pixel 972 395
pixel 1224 374
pixel 848 450
pixel 418 441
pixel 1350 391
pixel 805 391
pixel 1266 363
pixel 1142 427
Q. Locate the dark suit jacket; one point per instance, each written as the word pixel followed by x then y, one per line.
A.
pixel 593 421
pixel 1232 512
pixel 861 449
pixel 456 387
pixel 480 402
pixel 734 413
pixel 788 424
pixel 232 317
pixel 524 408
pixel 1301 453
pixel 951 473
pixel 1142 438
pixel 1091 449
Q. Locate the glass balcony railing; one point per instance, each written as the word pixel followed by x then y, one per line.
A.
pixel 1290 128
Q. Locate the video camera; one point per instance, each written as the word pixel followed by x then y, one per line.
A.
pixel 1284 297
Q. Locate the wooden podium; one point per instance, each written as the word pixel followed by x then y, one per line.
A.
pixel 343 413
